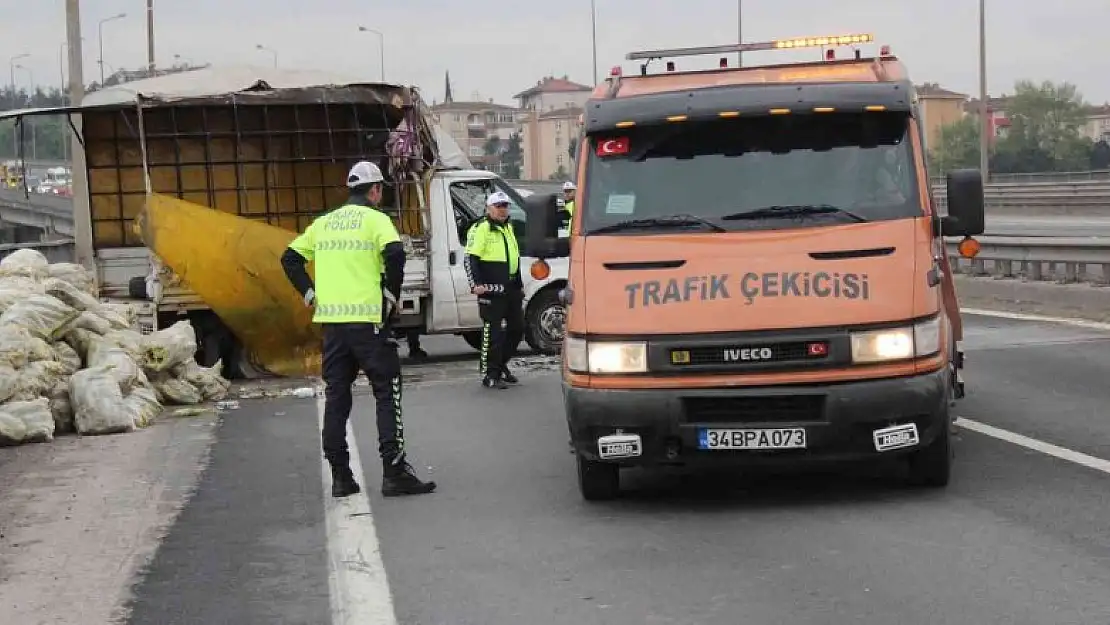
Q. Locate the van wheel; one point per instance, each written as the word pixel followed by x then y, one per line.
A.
pixel 545 323
pixel 598 481
pixel 473 339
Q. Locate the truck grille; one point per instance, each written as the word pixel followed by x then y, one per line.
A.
pixel 777 409
pixel 719 354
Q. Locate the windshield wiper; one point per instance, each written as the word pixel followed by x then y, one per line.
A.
pixel 789 210
pixel 668 221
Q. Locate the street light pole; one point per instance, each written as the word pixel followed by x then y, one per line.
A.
pixel 150 37
pixel 82 218
pixel 984 121
pixel 34 126
pixel 381 47
pixel 593 34
pixel 100 37
pixel 15 105
pixel 739 31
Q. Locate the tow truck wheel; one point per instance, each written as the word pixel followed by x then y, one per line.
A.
pixel 598 481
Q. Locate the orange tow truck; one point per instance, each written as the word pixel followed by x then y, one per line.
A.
pixel 758 273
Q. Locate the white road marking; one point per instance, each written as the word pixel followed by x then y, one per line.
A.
pixel 1091 462
pixel 1068 321
pixel 356 574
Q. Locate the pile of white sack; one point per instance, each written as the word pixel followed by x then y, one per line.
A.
pixel 71 363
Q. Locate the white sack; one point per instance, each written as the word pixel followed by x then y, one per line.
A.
pixel 168 348
pixel 43 315
pixel 36 418
pixel 207 380
pixel 76 275
pixel 26 263
pixel 98 406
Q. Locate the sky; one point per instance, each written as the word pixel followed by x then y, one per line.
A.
pixel 497 48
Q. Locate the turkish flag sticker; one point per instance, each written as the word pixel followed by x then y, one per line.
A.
pixel 612 147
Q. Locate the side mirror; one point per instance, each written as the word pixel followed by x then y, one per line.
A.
pixel 966 215
pixel 542 233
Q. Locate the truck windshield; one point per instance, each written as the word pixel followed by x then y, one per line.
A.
pixel 773 172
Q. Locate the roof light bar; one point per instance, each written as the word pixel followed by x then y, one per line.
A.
pixel 778 44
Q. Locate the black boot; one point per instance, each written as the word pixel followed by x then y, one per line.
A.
pixel 399 479
pixel 343 482
pixel 417 353
pixel 508 375
pixel 494 382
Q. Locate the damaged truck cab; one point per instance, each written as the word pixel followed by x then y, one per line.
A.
pixel 758 274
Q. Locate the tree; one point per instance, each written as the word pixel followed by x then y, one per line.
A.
pixel 957 146
pixel 492 149
pixel 1045 132
pixel 560 174
pixel 512 157
pixel 572 148
pixel 43 137
pixel 492 146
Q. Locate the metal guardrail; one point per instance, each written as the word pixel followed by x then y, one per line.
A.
pixel 1065 259
pixel 1047 197
pixel 1044 176
pixel 60 251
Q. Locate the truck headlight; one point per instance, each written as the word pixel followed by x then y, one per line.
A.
pixel 584 356
pixel 916 341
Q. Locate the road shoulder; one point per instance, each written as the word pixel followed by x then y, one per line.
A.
pixel 1080 301
pixel 82 515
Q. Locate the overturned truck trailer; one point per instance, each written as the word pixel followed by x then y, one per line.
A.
pixel 197 181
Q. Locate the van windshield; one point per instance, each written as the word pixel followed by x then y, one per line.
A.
pixel 772 172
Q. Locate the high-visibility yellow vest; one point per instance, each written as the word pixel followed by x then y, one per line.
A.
pixel 346 247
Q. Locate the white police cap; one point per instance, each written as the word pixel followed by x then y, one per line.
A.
pixel 364 172
pixel 497 197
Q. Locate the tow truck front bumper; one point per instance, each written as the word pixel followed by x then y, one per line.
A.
pixel 663 426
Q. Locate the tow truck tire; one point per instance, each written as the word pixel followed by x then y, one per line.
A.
pixel 931 467
pixel 598 481
pixel 545 312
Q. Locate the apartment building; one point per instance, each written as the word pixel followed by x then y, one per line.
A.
pixel 1098 123
pixel 553 108
pixel 939 107
pixel 472 124
pixel 547 139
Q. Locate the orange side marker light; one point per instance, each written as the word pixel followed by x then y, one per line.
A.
pixel 540 270
pixel 969 247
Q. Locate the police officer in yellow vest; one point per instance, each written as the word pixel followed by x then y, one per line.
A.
pixel 350 245
pixel 569 192
pixel 493 269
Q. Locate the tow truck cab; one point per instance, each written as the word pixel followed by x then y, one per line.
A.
pixel 757 270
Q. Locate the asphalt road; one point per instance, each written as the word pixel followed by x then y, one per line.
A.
pixel 1019 537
